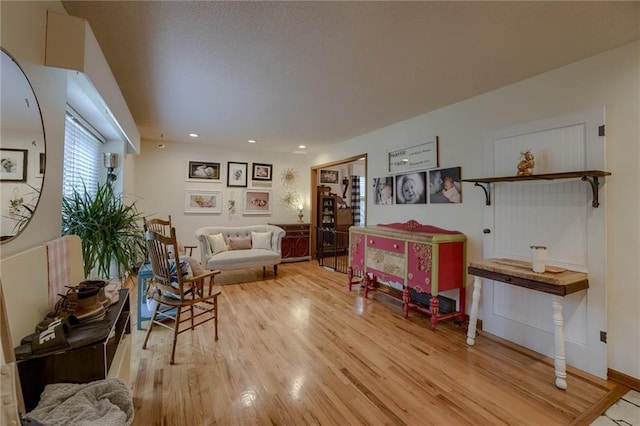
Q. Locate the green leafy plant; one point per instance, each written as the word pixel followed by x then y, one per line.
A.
pixel 109 230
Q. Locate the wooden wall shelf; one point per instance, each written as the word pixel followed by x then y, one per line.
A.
pixel 590 176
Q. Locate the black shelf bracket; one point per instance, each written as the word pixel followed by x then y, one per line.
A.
pixel 593 181
pixel 487 191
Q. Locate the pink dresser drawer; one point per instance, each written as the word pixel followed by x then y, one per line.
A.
pixel 386 244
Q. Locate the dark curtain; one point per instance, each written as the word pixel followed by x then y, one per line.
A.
pixel 355 199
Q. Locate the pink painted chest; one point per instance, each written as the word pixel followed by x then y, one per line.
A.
pixel 412 263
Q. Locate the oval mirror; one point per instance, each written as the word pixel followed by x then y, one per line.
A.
pixel 22 149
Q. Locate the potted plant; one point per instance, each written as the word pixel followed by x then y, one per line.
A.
pixel 108 228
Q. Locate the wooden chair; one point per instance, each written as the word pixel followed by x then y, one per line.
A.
pixel 194 299
pixel 163 226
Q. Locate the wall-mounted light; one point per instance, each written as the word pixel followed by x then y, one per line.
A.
pixel 300 214
pixel 111 162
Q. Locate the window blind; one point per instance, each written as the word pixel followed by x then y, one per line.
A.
pixel 83 153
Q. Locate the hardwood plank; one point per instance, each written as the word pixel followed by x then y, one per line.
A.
pixel 300 348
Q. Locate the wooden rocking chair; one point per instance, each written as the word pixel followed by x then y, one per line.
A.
pixel 194 300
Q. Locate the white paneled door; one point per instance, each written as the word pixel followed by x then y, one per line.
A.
pixel 557 214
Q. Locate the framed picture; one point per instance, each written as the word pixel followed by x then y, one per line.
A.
pixel 202 202
pixel 329 176
pixel 203 171
pixel 411 188
pixel 13 165
pixel 40 163
pixel 445 186
pixel 261 171
pixel 419 157
pixel 237 174
pixel 383 190
pixel 257 202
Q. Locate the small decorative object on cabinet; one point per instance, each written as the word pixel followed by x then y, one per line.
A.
pixel 295 244
pixel 526 165
pixel 590 176
pixel 411 263
pixel 101 360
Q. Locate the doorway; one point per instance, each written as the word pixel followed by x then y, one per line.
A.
pixel 337 178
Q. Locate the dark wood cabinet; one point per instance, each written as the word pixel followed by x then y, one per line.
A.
pixel 334 220
pixel 296 243
pixel 100 360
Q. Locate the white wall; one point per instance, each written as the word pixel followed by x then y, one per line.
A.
pixel 611 79
pixel 160 184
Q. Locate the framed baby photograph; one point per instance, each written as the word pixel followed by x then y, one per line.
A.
pixel 237 174
pixel 203 171
pixel 203 202
pixel 411 188
pixel 445 186
pixel 383 190
pixel 257 202
pixel 261 171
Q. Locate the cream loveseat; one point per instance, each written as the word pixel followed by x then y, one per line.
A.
pixel 238 247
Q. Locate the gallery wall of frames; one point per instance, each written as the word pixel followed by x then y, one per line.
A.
pixel 415 177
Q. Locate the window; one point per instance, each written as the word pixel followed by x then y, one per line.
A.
pixel 82 156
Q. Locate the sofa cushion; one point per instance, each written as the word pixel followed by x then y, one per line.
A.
pixel 239 243
pixel 238 259
pixel 261 240
pixel 217 243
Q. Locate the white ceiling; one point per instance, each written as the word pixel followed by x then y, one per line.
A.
pixel 317 73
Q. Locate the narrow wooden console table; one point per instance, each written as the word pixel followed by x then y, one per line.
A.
pixel 557 284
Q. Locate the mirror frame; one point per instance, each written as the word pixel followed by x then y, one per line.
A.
pixel 32 203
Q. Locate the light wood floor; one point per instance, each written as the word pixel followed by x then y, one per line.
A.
pixel 301 349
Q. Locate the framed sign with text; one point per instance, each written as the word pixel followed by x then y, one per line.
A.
pixel 419 157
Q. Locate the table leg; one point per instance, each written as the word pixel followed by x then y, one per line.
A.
pixel 558 343
pixel 473 318
pixel 350 276
pixel 406 299
pixel 366 281
pixel 463 304
pixel 434 307
pixel 141 298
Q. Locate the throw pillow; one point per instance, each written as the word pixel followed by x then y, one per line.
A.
pixel 196 267
pixel 172 253
pixel 217 243
pixel 261 240
pixel 240 243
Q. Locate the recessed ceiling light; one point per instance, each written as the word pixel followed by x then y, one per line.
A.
pixel 251 141
pixel 161 145
pixel 302 146
pixel 193 135
pixel 406 160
